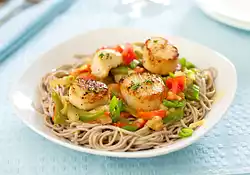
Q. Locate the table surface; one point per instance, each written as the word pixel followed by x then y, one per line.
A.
pixel 224 150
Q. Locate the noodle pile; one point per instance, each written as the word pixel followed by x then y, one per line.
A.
pixel 111 138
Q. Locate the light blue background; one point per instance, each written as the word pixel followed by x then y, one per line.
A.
pixel 224 150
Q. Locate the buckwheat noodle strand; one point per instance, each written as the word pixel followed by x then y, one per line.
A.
pixel 111 138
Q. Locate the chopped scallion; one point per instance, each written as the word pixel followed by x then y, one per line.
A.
pixel 185 132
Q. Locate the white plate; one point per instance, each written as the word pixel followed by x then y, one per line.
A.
pixel 25 91
pixel 234 13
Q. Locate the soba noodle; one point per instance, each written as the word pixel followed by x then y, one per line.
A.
pixel 111 138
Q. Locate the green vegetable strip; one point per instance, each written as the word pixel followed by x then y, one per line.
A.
pixel 121 105
pixel 130 128
pixel 185 132
pixel 120 70
pixel 88 116
pixel 115 108
pixel 189 65
pixel 190 74
pixel 58 117
pixel 174 115
pixel 174 104
pixel 74 114
pixel 183 62
pixel 192 92
pixel 171 74
pixel 65 108
pixel 134 64
pixel 186 64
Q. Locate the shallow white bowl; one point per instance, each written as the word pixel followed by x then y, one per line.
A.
pixel 25 92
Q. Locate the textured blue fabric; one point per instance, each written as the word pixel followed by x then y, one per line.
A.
pixel 224 150
pixel 37 25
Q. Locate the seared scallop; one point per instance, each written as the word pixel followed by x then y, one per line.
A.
pixel 88 94
pixel 143 91
pixel 159 56
pixel 103 61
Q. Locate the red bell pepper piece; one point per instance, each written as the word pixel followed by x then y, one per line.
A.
pixel 128 54
pixel 149 115
pixel 176 84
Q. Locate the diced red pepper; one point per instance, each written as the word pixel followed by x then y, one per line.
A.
pixel 149 115
pixel 139 123
pixel 176 84
pixel 119 124
pixel 128 54
pixel 175 87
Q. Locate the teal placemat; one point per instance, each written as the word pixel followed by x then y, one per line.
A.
pixel 224 150
pixel 36 25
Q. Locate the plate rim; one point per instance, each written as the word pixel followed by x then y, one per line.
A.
pixel 139 154
pixel 222 18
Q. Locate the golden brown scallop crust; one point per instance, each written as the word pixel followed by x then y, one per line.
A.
pixel 94 90
pixel 143 91
pixel 88 94
pixel 159 56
